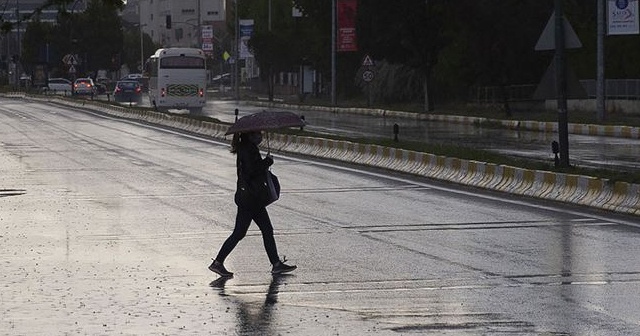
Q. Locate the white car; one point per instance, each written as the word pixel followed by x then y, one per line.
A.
pixel 132 76
pixel 84 86
pixel 59 85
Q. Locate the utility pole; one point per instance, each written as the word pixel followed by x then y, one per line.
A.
pixel 237 58
pixel 561 85
pixel 199 26
pixel 601 81
pixel 333 53
pixel 271 85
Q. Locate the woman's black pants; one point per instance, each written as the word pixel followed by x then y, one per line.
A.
pixel 243 220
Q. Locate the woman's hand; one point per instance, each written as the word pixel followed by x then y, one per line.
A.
pixel 268 160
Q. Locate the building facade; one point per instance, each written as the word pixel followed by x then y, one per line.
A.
pixel 187 17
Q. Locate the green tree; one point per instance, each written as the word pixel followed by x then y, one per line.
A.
pixel 35 46
pixel 100 36
pixel 276 43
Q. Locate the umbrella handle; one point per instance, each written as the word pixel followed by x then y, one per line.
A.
pixel 268 146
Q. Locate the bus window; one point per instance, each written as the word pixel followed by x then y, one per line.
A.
pixel 152 65
pixel 181 62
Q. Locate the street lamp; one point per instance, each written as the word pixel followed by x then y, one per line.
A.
pixel 141 47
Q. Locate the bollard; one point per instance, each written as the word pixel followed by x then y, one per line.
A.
pixel 236 112
pixel 302 118
pixel 555 148
pixel 396 130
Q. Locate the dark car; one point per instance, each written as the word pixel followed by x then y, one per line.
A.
pixel 129 91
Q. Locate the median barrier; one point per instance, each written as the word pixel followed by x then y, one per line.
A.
pixel 594 187
pixel 629 203
pixel 543 185
pixel 437 167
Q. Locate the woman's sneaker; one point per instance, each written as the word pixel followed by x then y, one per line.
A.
pixel 280 267
pixel 218 268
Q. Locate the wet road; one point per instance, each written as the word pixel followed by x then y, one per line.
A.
pixel 108 226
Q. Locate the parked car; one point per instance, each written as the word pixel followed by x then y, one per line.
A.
pixel 128 91
pixel 59 85
pixel 84 86
pixel 132 76
pixel 222 79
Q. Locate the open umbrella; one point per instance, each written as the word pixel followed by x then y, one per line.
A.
pixel 265 120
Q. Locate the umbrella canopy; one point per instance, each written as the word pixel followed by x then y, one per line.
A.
pixel 265 120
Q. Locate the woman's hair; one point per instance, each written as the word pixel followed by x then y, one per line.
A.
pixel 235 142
pixel 238 139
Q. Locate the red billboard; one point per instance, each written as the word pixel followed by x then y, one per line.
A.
pixel 347 11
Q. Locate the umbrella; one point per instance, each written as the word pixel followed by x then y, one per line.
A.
pixel 265 120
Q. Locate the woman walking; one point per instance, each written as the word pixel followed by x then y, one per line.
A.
pixel 251 168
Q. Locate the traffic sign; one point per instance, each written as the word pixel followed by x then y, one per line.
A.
pixel 367 61
pixel 368 75
pixel 547 40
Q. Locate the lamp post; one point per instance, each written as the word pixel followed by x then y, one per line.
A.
pixel 237 48
pixel 141 47
pixel 333 53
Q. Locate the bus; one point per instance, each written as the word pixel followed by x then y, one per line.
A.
pixel 177 79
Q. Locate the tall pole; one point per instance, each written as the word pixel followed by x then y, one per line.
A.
pixel 270 87
pixel 333 53
pixel 269 15
pixel 141 50
pixel 199 26
pixel 19 42
pixel 561 85
pixel 237 48
pixel 600 82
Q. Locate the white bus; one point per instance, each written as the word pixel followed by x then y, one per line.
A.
pixel 177 79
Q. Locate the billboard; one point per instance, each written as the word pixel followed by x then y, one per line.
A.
pixel 347 11
pixel 622 17
pixel 246 29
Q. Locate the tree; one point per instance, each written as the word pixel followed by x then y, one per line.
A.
pixel 100 36
pixel 95 35
pixel 275 44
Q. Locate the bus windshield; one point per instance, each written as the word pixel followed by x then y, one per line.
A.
pixel 181 62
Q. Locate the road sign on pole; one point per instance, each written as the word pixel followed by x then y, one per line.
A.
pixel 367 61
pixel 368 75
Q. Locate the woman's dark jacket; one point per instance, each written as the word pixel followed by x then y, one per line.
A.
pixel 251 168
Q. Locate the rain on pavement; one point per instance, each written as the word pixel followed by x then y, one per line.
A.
pixel 108 226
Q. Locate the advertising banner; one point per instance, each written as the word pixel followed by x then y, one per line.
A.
pixel 207 39
pixel 246 29
pixel 622 17
pixel 347 11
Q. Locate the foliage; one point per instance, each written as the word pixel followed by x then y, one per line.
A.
pixel 94 35
pixel 454 46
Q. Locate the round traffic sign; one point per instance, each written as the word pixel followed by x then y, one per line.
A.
pixel 367 75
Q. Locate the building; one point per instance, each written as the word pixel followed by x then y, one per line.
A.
pixel 185 17
pixel 19 13
pixel 11 10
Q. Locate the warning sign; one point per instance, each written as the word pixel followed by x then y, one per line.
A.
pixel 367 61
